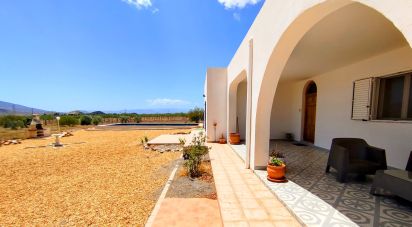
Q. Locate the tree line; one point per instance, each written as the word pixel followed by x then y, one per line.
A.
pixel 16 122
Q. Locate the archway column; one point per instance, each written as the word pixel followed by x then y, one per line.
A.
pixel 249 106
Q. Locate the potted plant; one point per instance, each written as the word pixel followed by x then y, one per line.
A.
pixel 278 155
pixel 276 167
pixel 234 138
pixel 222 139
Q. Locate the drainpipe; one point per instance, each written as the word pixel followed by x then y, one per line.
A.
pixel 249 105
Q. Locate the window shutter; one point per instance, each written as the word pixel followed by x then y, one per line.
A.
pixel 361 102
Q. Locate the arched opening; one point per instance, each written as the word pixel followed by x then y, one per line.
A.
pixel 237 110
pixel 241 99
pixel 333 45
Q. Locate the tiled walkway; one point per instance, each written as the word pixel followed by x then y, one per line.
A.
pixel 244 200
pixel 240 150
pixel 188 212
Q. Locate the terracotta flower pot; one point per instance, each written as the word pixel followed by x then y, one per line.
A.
pixel 234 138
pixel 222 141
pixel 276 173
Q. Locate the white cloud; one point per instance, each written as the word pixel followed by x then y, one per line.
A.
pixel 155 10
pixel 230 4
pixel 139 3
pixel 167 102
pixel 236 16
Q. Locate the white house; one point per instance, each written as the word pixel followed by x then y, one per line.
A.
pixel 319 69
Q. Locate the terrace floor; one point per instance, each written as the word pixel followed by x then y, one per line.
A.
pixel 317 198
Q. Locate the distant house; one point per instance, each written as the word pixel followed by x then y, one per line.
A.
pixel 318 69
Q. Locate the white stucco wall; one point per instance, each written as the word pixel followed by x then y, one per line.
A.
pixel 241 108
pixel 334 105
pixel 284 110
pixel 216 102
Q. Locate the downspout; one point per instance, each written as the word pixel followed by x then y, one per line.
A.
pixel 249 105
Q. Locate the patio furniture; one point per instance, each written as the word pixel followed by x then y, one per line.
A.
pixel 354 155
pixel 398 182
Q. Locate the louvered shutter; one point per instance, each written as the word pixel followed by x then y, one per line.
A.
pixel 361 102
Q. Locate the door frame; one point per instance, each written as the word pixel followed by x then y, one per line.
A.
pixel 303 111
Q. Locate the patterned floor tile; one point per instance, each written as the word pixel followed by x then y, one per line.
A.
pixel 350 201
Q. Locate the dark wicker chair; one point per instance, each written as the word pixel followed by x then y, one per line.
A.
pixel 398 182
pixel 409 165
pixel 353 155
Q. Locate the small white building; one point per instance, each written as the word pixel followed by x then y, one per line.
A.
pixel 318 69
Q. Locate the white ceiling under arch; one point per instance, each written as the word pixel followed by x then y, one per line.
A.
pixel 348 35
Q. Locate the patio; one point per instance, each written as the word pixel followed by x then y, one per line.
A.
pixel 317 198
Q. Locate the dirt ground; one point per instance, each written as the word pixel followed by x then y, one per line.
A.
pixel 201 187
pixel 99 177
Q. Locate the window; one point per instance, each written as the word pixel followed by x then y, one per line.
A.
pixel 361 101
pixel 394 97
pixel 383 98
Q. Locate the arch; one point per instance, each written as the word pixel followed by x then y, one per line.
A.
pixel 232 100
pixel 280 55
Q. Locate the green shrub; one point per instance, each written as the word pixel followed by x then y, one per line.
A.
pixel 137 119
pixel 7 123
pixel 182 141
pixel 27 121
pixel 69 120
pixel 86 120
pixel 97 120
pixel 144 140
pixel 14 122
pixel 196 114
pixel 13 125
pixel 124 119
pixel 47 117
pixel 20 124
pixel 194 155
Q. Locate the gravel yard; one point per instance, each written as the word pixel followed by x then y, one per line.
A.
pixel 99 177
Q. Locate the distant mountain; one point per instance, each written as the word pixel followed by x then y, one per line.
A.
pixel 97 113
pixel 11 108
pixel 76 112
pixel 4 111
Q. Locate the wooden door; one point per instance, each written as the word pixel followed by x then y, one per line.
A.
pixel 310 117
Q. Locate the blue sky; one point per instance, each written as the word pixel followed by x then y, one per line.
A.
pixel 64 55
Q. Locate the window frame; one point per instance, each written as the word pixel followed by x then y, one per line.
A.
pixel 377 97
